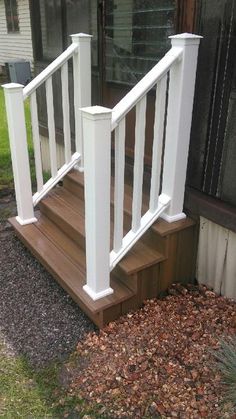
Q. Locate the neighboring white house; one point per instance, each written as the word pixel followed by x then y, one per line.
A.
pixel 15 31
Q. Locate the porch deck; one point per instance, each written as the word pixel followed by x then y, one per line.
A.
pixel 165 254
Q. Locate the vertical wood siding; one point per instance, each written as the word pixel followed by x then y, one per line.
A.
pixel 16 45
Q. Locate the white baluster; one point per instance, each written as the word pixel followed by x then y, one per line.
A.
pixel 82 85
pixel 157 142
pixel 119 184
pixel 179 118
pixel 36 141
pixel 66 112
pixel 97 179
pixel 51 127
pixel 138 163
pixel 19 152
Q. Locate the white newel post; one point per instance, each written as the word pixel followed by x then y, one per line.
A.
pixel 19 152
pixel 179 118
pixel 97 178
pixel 82 86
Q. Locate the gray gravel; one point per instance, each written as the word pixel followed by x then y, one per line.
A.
pixel 37 318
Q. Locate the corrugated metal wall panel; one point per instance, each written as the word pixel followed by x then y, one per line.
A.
pixel 216 266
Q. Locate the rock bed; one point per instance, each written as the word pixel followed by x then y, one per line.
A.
pixel 157 362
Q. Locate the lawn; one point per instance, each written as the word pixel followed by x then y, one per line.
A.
pixel 6 175
pixel 25 392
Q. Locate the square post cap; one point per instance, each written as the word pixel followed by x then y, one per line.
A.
pixel 182 39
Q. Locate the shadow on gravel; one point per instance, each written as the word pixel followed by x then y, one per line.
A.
pixel 38 319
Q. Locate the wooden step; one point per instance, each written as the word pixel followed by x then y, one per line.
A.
pixel 140 257
pixel 74 182
pixel 65 260
pixel 67 212
pixel 163 228
pixel 57 240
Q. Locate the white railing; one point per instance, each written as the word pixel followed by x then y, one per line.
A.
pixel 98 123
pixel 173 78
pixel 15 94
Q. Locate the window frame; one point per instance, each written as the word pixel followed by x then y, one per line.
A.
pixel 12 17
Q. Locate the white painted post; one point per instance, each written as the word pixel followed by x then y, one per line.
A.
pixel 97 179
pixel 19 152
pixel 82 86
pixel 179 118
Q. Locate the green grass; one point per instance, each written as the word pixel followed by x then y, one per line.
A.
pixel 226 363
pixel 26 393
pixel 6 175
pixel 20 395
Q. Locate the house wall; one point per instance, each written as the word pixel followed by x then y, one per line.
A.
pixel 216 265
pixel 16 45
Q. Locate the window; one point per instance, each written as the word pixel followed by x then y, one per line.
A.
pixel 61 18
pixel 12 16
pixel 51 28
pixel 136 37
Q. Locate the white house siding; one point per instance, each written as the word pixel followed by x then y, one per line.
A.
pixel 216 265
pixel 16 45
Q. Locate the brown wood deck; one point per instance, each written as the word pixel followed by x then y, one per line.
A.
pixel 165 254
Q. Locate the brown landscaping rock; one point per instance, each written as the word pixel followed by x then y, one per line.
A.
pixel 158 362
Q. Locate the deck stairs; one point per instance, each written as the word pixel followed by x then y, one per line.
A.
pixel 111 240
pixel 164 254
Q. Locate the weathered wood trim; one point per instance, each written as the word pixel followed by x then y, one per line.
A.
pixel 197 203
pixel 186 16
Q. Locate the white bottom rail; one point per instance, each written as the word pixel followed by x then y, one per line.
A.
pixel 75 158
pixel 132 237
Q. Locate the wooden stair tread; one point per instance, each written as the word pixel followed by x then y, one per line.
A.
pixel 63 202
pixel 71 276
pixel 70 200
pixel 61 240
pixel 66 207
pixel 163 228
pixel 141 256
pixel 78 178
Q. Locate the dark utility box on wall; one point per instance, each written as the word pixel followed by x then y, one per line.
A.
pixel 18 71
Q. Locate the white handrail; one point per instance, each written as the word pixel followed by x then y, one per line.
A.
pixel 132 237
pixel 48 71
pixel 144 85
pixel 75 158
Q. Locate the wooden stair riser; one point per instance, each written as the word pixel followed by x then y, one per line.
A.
pixel 145 284
pixel 181 261
pixel 74 187
pixel 77 188
pixel 64 224
pixel 156 241
pixel 129 280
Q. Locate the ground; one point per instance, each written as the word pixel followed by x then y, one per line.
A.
pixel 155 363
pixel 158 361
